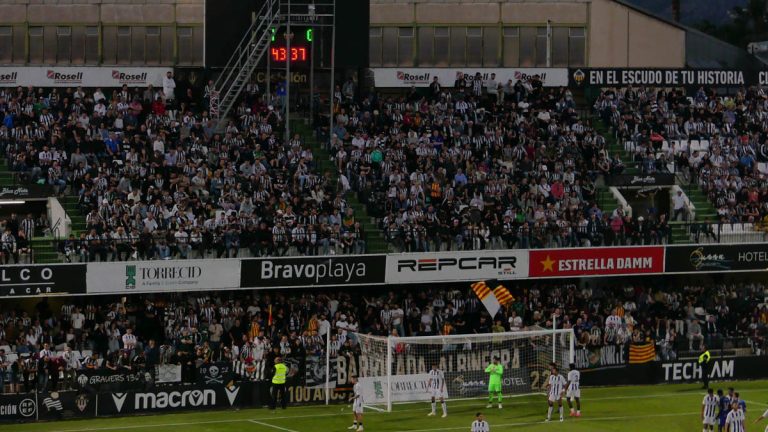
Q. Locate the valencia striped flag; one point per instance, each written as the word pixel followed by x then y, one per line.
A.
pixel 493 295
pixel 642 353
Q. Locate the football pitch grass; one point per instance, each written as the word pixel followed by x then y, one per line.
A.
pixel 667 408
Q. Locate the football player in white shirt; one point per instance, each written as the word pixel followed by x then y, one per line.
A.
pixel 765 414
pixel 574 391
pixel 556 388
pixel 709 408
pixel 735 420
pixel 480 425
pixel 357 405
pixel 436 386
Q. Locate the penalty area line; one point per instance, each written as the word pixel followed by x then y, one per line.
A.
pixel 272 426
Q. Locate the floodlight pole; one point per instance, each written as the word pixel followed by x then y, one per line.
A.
pixel 288 77
pixel 333 71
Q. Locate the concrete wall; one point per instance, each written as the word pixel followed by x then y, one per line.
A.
pixel 617 36
pixel 86 12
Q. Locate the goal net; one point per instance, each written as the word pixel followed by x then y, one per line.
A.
pixel 396 369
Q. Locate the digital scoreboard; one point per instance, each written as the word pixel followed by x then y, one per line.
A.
pixel 300 48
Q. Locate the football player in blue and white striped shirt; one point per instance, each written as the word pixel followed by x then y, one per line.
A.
pixel 709 410
pixel 735 420
pixel 436 386
pixel 480 425
pixel 574 391
pixel 556 387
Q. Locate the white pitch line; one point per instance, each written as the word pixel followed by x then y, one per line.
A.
pixel 272 426
pixel 580 420
pixel 160 425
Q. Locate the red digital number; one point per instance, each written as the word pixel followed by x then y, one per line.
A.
pixel 280 54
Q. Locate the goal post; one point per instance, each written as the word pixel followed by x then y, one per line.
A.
pixel 395 370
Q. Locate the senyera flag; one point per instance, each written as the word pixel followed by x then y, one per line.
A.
pixel 492 298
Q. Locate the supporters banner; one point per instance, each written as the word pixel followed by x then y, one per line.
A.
pixel 457 266
pixel 717 257
pixel 404 388
pixel 657 179
pixel 171 398
pixel 100 379
pixel 297 272
pixel 167 373
pixel 596 261
pixel 215 373
pixel 36 279
pixel 642 353
pixel 162 276
pixel 422 77
pixel 618 77
pixel 600 357
pixel 54 76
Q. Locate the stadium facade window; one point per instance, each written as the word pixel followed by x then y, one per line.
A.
pixel 528 46
pixel 511 46
pixel 374 46
pixel 190 46
pixel 541 47
pixel 19 44
pixel 6 44
pixel 91 45
pixel 441 46
pixel 109 44
pixel 123 45
pixel 63 45
pixel 35 45
pixel 138 45
pixel 458 46
pixel 474 46
pixel 152 47
pixel 491 46
pixel 49 44
pixel 577 46
pixel 389 46
pixel 560 46
pixel 168 35
pixel 426 40
pixel 405 41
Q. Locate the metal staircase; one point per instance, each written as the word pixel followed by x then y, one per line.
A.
pixel 246 56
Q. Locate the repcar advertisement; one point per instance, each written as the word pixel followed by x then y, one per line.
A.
pixel 457 266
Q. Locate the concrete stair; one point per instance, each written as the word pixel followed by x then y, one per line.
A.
pixel 375 241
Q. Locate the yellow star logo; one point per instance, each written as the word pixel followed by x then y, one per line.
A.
pixel 548 264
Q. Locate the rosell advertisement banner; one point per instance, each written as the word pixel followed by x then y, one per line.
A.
pixel 163 276
pixel 54 76
pixel 596 261
pixel 457 266
pixel 422 77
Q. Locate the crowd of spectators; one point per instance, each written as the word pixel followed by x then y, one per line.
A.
pixel 139 332
pixel 154 180
pixel 729 132
pixel 480 165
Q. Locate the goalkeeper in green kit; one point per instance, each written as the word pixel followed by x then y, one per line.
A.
pixel 495 371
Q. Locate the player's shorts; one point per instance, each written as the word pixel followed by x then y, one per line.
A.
pixel 722 420
pixel 554 397
pixel 711 421
pixel 573 394
pixel 438 393
pixel 494 388
pixel 357 407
